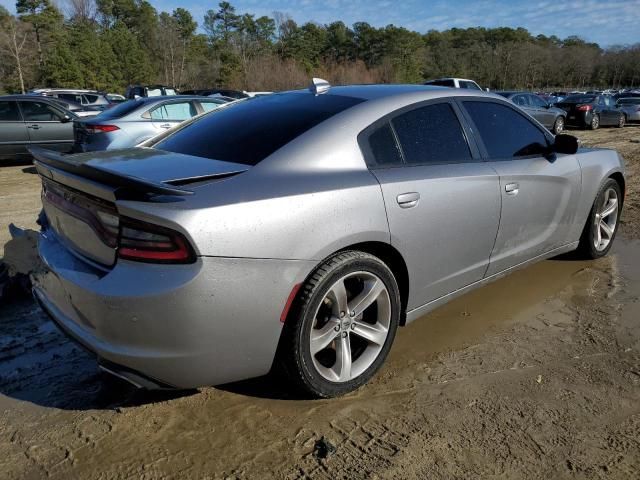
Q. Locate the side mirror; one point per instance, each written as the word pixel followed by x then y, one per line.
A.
pixel 566 144
pixel 65 119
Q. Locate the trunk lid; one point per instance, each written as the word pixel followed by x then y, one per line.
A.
pixel 80 192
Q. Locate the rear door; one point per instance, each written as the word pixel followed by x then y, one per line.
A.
pixel 13 131
pixel 171 113
pixel 47 125
pixel 443 203
pixel 539 194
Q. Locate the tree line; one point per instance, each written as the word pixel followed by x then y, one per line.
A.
pixel 109 44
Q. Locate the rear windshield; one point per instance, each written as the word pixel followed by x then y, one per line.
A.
pixel 579 99
pixel 121 109
pixel 250 131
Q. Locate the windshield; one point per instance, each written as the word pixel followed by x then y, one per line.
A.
pixel 252 130
pixel 579 99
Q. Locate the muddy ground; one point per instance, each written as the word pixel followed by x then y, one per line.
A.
pixel 534 376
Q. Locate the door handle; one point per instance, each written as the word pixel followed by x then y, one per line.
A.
pixel 408 200
pixel 512 188
pixel 165 125
pixel 34 127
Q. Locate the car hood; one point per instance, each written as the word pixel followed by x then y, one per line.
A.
pixel 158 166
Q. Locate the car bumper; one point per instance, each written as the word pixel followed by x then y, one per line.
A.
pixel 180 326
pixel 578 119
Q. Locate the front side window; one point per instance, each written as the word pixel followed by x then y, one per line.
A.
pixel 504 132
pixel 9 112
pixel 154 92
pixel 174 111
pixel 39 112
pixel 431 134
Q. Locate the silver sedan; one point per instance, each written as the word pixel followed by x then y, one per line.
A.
pixel 298 231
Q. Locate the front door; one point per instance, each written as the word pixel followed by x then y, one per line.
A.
pixel 47 125
pixel 443 203
pixel 539 191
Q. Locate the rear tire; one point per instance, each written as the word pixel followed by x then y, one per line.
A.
pixel 602 224
pixel 595 122
pixel 558 126
pixel 341 326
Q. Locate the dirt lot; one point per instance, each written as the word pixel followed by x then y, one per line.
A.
pixel 534 376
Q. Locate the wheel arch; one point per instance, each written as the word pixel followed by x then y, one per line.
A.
pixel 389 255
pixel 619 177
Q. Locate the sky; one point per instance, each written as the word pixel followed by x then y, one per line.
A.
pixel 607 22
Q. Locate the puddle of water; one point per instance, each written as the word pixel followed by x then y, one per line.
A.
pixel 468 317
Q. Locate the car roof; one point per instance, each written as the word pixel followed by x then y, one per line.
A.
pixel 30 97
pixel 380 91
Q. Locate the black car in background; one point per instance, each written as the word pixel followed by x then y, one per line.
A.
pixel 592 111
pixel 548 115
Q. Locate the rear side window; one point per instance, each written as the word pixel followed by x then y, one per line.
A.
pixel 174 111
pixel 9 112
pixel 504 132
pixel 72 97
pixel 431 134
pixel 383 146
pixel 251 130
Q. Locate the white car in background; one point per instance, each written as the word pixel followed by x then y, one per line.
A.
pixel 454 83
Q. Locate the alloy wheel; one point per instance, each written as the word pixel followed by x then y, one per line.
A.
pixel 606 220
pixel 351 326
pixel 559 128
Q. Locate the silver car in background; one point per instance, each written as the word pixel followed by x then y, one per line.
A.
pixel 134 121
pixel 630 107
pixel 298 230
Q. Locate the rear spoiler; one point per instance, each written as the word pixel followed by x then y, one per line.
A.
pixel 97 174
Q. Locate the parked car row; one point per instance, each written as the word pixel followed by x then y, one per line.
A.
pixel 45 121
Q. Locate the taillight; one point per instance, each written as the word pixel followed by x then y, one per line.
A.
pixel 144 242
pixel 100 128
pixel 584 108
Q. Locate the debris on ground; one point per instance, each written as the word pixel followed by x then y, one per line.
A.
pixel 323 448
pixel 20 260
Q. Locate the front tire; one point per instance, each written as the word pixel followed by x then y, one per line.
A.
pixel 622 121
pixel 342 325
pixel 558 126
pixel 602 224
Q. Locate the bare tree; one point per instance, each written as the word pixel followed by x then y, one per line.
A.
pixel 13 36
pixel 81 10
